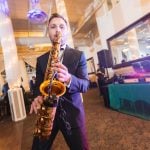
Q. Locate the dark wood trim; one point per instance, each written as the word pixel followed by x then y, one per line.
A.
pixel 129 27
pixel 89 58
pixel 129 63
pixel 91 73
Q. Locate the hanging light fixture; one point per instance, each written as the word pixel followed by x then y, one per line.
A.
pixel 4 7
pixel 35 14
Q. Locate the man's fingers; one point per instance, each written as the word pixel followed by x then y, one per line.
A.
pixel 40 99
pixel 36 104
pixel 31 110
pixel 33 107
pixel 60 65
pixel 63 67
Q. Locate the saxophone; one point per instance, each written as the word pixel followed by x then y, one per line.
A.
pixel 51 89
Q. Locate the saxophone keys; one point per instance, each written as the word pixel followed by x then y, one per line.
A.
pixel 43 108
pixel 37 132
pixel 41 120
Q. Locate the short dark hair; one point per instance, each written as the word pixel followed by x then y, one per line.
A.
pixel 56 15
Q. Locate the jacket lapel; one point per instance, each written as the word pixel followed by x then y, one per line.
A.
pixel 66 56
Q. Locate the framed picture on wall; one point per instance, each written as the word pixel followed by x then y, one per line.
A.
pixel 91 66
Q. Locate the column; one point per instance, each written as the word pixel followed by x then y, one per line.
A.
pixel 114 2
pixel 102 10
pixel 9 51
pixel 104 23
pixel 11 64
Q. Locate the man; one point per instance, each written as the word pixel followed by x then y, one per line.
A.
pixel 32 85
pixel 69 118
pixel 5 88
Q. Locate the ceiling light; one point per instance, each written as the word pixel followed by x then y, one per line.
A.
pixel 4 7
pixel 35 14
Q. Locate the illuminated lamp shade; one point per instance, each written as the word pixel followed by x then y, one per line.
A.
pixel 37 16
pixel 4 7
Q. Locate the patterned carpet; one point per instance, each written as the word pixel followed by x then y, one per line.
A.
pixel 107 129
pixel 111 130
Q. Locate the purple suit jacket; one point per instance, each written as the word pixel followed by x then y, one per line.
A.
pixel 75 61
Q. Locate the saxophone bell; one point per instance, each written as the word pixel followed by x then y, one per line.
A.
pixel 54 88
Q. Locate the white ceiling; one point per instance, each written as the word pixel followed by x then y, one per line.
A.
pixel 29 36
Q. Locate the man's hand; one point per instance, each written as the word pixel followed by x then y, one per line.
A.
pixel 36 104
pixel 62 73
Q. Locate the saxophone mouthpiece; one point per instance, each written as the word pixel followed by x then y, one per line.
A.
pixel 57 37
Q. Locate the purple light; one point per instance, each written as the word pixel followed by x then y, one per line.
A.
pixel 4 7
pixel 35 1
pixel 37 16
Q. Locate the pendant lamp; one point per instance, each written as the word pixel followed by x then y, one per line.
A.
pixel 35 14
pixel 4 7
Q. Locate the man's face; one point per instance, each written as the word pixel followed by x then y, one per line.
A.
pixel 55 25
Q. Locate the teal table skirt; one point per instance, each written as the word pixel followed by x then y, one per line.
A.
pixel 133 99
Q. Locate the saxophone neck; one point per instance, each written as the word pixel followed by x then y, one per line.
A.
pixel 57 39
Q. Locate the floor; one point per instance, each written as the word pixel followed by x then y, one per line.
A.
pixel 107 129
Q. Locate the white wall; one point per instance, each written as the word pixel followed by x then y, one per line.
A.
pixel 91 52
pixel 123 14
pixel 120 16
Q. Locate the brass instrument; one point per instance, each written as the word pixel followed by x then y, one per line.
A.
pixel 51 89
